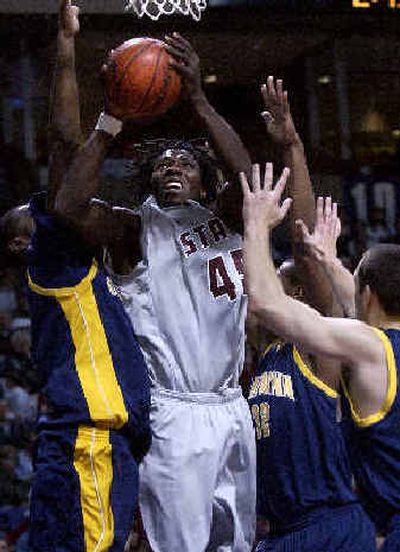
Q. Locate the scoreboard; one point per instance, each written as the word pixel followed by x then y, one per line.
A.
pixel 337 5
pixel 365 4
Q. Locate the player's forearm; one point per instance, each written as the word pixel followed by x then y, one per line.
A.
pixel 315 283
pixel 299 185
pixel 65 110
pixel 225 139
pixel 82 179
pixel 261 281
pixel 342 283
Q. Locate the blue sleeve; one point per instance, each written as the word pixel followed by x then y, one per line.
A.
pixel 58 257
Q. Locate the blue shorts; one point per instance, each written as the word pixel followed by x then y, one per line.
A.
pixel 392 539
pixel 84 491
pixel 342 529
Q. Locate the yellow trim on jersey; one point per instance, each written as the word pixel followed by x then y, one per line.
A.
pixel 60 292
pixel 93 463
pixel 391 387
pixel 270 346
pixel 307 373
pixel 93 360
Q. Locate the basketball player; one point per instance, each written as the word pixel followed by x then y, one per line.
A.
pixel 368 347
pixel 94 380
pixel 180 272
pixel 304 483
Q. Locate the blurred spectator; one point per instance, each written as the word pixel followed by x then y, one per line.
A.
pixel 377 231
pixel 3 543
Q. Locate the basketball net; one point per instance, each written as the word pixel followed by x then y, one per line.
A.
pixel 155 8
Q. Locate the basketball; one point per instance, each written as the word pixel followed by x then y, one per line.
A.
pixel 138 79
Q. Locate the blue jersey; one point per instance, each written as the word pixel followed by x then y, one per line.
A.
pixel 302 463
pixel 374 443
pixel 92 370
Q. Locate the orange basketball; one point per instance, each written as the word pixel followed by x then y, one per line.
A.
pixel 138 78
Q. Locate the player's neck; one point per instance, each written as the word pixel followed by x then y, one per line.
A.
pixel 384 321
pixel 391 322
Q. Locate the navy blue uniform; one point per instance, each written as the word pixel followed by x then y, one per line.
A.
pixel 303 473
pixel 96 390
pixel 374 445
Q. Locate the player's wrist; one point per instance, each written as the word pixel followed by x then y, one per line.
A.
pixel 198 99
pixel 294 142
pixel 108 124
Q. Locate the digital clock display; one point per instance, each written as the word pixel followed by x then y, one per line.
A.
pixel 392 4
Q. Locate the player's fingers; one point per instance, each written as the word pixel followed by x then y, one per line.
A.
pixel 63 7
pixel 334 214
pixel 255 177
pixel 177 54
pixel 303 229
pixel 245 184
pixel 271 87
pixel 285 207
pixel 184 41
pixel 285 102
pixel 338 229
pixel 268 176
pixel 279 90
pixel 181 69
pixel 328 209
pixel 280 185
pixel 264 94
pixel 75 11
pixel 320 210
pixel 179 45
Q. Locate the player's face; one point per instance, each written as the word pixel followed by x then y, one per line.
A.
pixel 176 177
pixel 18 245
pixel 289 279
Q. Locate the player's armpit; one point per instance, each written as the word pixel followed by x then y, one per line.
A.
pixel 124 248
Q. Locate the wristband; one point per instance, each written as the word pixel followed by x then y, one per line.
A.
pixel 108 124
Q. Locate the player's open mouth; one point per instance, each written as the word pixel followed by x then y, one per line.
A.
pixel 173 186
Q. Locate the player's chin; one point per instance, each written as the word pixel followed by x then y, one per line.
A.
pixel 173 197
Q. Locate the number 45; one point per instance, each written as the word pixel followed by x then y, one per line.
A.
pixel 218 275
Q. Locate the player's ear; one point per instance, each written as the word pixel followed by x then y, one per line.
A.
pixel 17 244
pixel 367 298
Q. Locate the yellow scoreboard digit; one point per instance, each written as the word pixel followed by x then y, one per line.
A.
pixel 393 4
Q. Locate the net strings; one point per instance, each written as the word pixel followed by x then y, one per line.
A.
pixel 155 8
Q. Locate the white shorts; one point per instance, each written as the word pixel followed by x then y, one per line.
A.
pixel 198 481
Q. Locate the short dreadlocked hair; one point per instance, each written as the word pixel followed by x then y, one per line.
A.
pixel 208 165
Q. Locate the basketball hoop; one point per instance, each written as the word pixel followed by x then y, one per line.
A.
pixel 155 8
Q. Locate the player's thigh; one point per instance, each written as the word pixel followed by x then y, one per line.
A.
pixel 124 489
pixel 56 521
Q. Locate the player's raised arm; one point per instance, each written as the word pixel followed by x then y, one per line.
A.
pixel 320 244
pixel 225 140
pixel 64 119
pixel 349 341
pixel 282 131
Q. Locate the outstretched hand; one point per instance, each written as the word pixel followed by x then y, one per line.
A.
pixel 68 18
pixel 321 243
pixel 262 205
pixel 276 114
pixel 187 64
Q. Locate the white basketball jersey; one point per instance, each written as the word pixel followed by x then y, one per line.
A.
pixel 185 298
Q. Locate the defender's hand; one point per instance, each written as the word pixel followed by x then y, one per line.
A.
pixel 187 64
pixel 68 18
pixel 276 114
pixel 262 207
pixel 321 243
